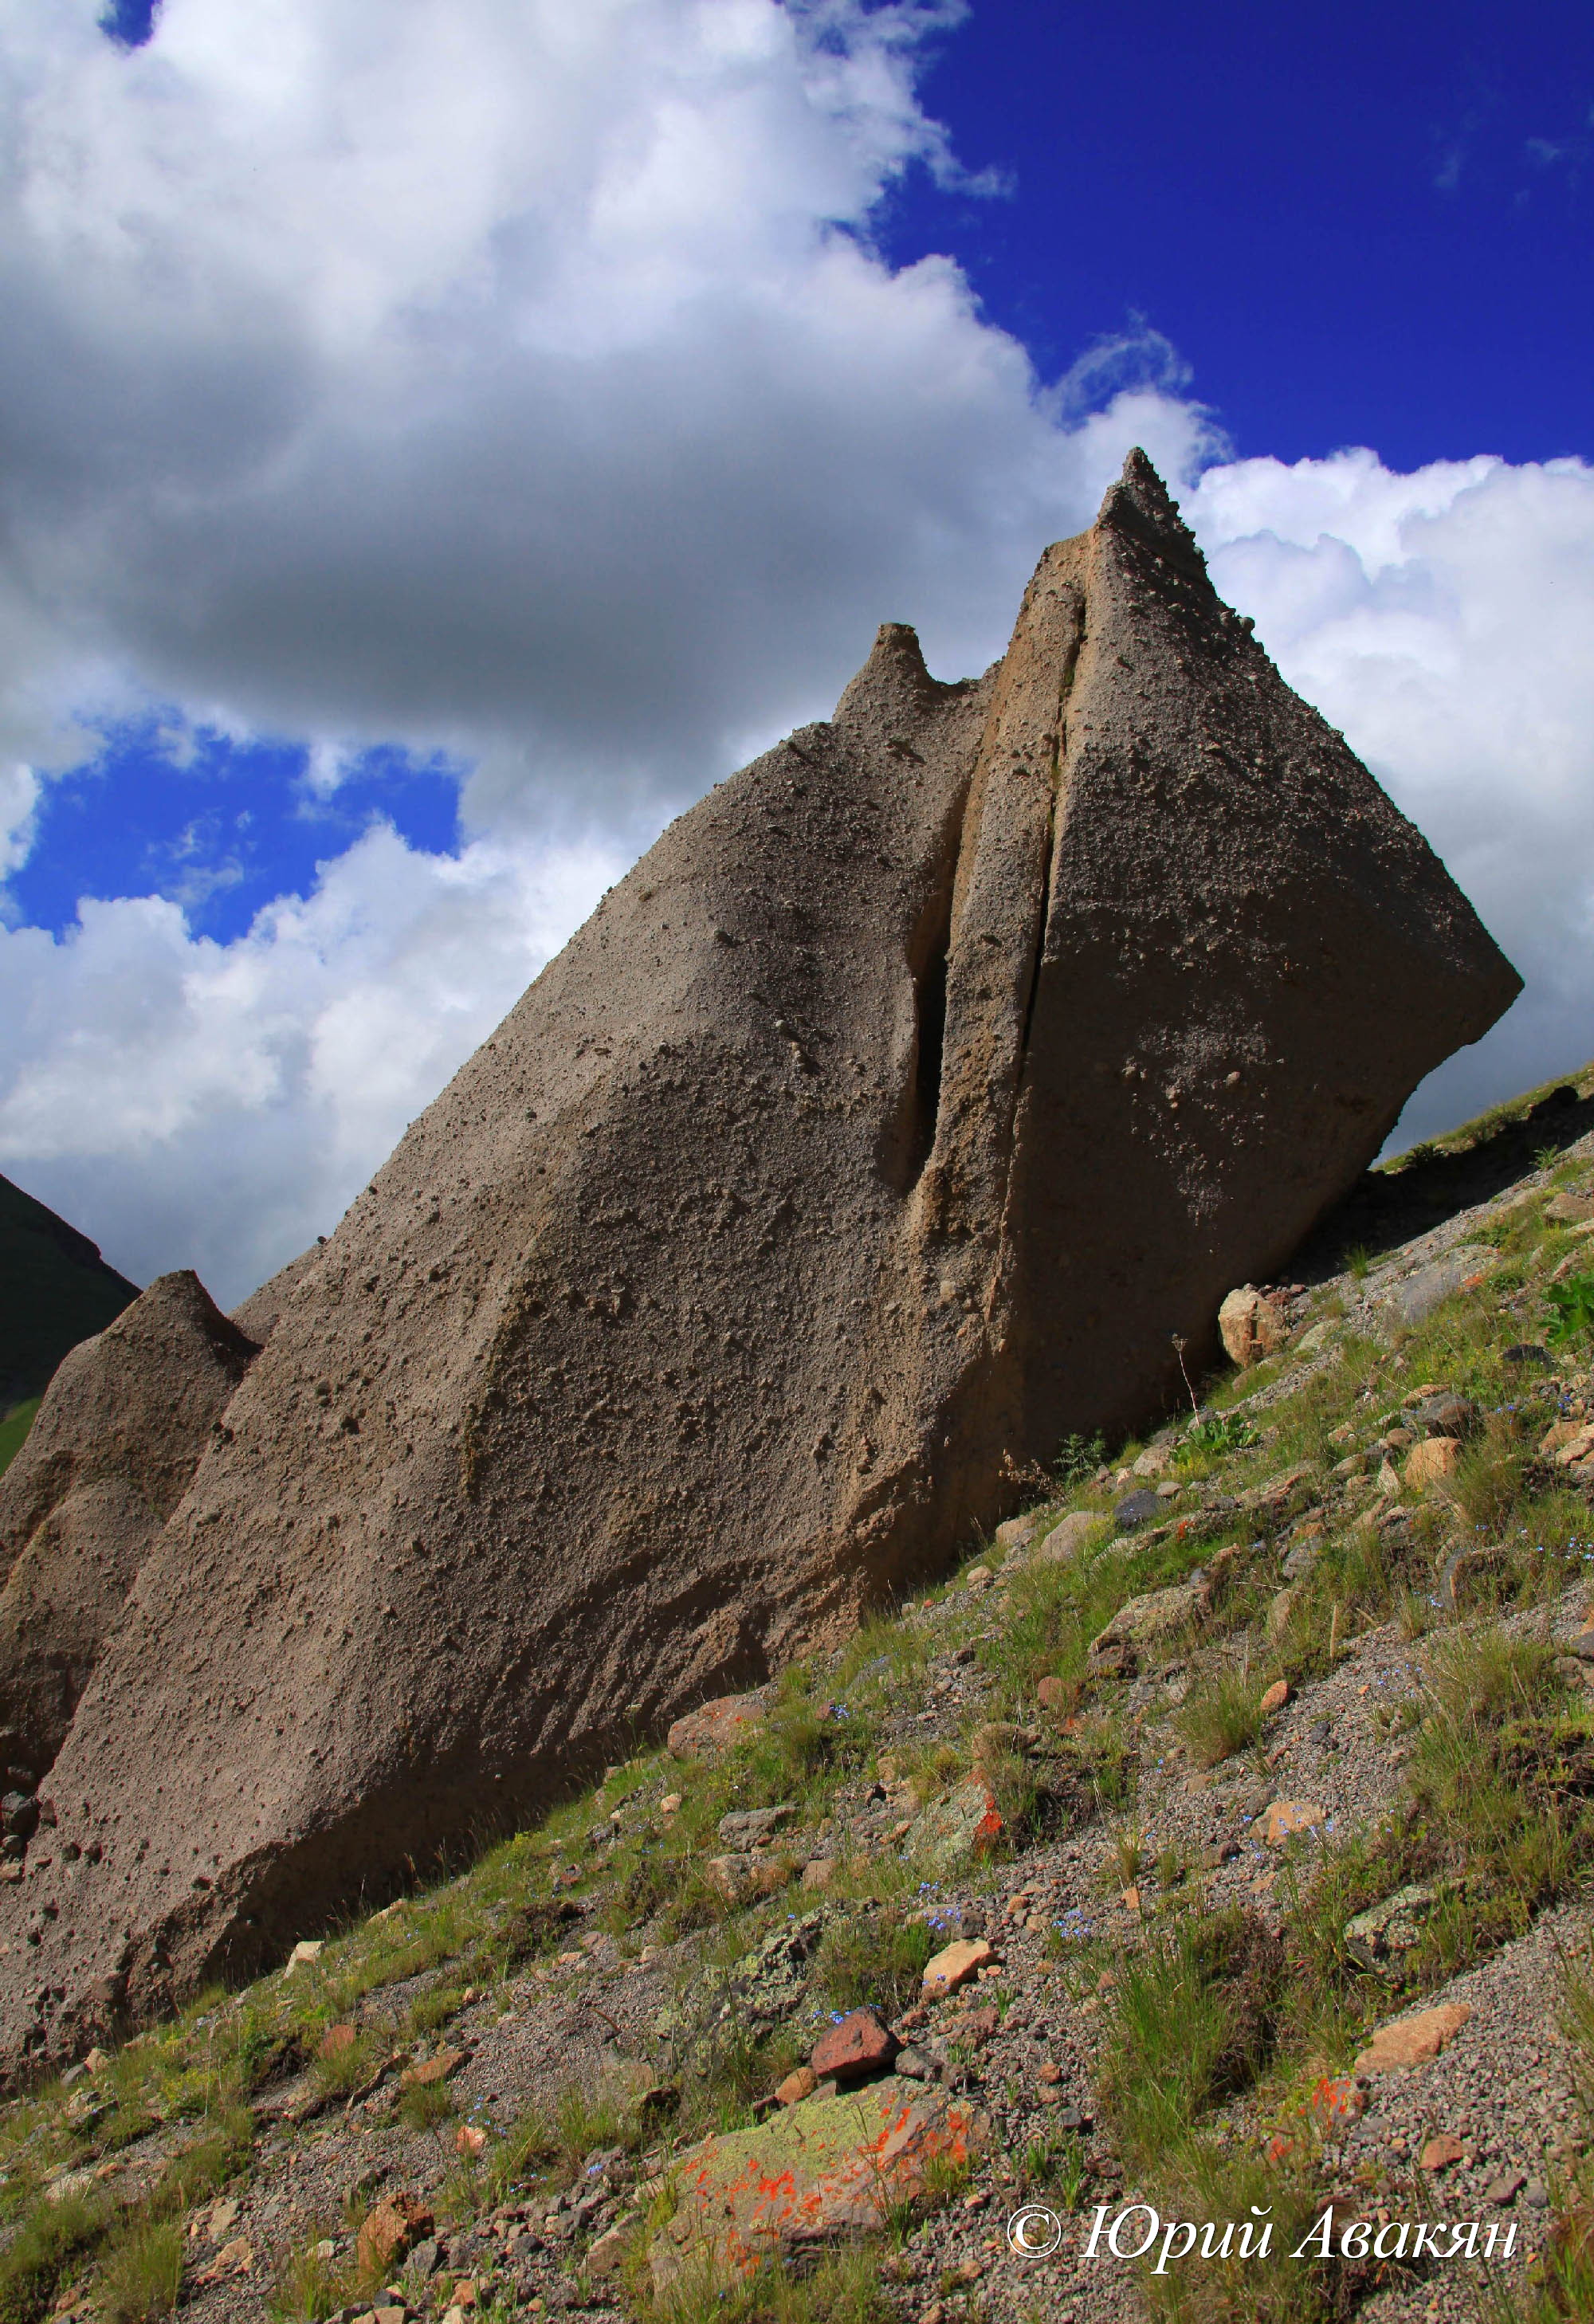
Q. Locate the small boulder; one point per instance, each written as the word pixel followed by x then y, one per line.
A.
pixel 1251 1326
pixel 741 1879
pixel 819 1872
pixel 431 2071
pixel 955 1965
pixel 1410 1301
pixel 828 2171
pixel 967 1823
pixel 856 2049
pixel 397 2223
pixel 799 2084
pixel 1412 2041
pixel 1154 1462
pixel 1432 1462
pixel 1018 1533
pixel 1441 2152
pixel 744 1827
pixel 1274 1697
pixel 715 1727
pixel 1160 1614
pixel 1567 1209
pixel 1381 1937
pixel 1071 1535
pixel 1286 1818
pixel 1137 1509
pixel 1445 1415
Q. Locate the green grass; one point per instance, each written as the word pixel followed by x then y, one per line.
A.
pixel 142 2273
pixel 13 1430
pixel 1220 1715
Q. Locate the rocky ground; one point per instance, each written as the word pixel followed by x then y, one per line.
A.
pixel 1086 1882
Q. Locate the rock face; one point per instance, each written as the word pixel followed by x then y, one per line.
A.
pixel 117 1439
pixel 878 1129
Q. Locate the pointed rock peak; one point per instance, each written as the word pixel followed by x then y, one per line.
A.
pixel 1141 503
pixel 895 672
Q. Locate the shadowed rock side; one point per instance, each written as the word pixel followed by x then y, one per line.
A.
pixel 258 1315
pixel 116 1442
pixel 877 1130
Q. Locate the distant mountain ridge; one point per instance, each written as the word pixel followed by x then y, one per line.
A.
pixel 55 1290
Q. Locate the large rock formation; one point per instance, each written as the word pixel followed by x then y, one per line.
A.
pixel 877 1130
pixel 110 1456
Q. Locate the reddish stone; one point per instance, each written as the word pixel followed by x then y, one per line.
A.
pixel 715 1727
pixel 390 2231
pixel 336 2040
pixel 858 2046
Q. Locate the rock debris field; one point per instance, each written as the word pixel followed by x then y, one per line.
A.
pixel 1215 1841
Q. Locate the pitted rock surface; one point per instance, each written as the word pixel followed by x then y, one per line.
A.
pixel 877 1132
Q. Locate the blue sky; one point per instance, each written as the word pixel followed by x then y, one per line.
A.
pixel 440 445
pixel 1354 223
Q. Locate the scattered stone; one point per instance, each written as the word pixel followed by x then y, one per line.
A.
pixel 1160 1614
pixel 1286 1818
pixel 955 1964
pixel 389 2231
pixel 1276 1697
pixel 1056 1696
pixel 1381 1937
pixel 1433 1462
pixel 1018 1533
pixel 1412 2041
pixel 1504 2187
pixel 1567 1209
pixel 744 1826
pixel 1445 1415
pixel 1136 1509
pixel 1222 1851
pixel 1073 1534
pixel 1441 2152
pixel 336 2040
pixel 948 1833
pixel 978 1577
pixel 715 1727
pixel 916 2064
pixel 799 2084
pixel 605 2256
pixel 1250 1326
pixel 306 1950
pixel 820 1871
pixel 431 2071
pixel 858 2047
pixel 1154 1462
pixel 741 1879
pixel 1410 1301
pixel 807 2176
pixel 1528 1352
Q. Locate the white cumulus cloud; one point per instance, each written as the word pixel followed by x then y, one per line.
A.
pixel 516 383
pixel 1442 620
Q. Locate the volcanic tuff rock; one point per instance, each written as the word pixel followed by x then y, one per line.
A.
pixel 109 1457
pixel 879 1128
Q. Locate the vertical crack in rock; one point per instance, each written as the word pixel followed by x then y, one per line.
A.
pixel 709 1305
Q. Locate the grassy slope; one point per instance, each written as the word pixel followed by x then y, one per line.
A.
pixel 1209 2012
